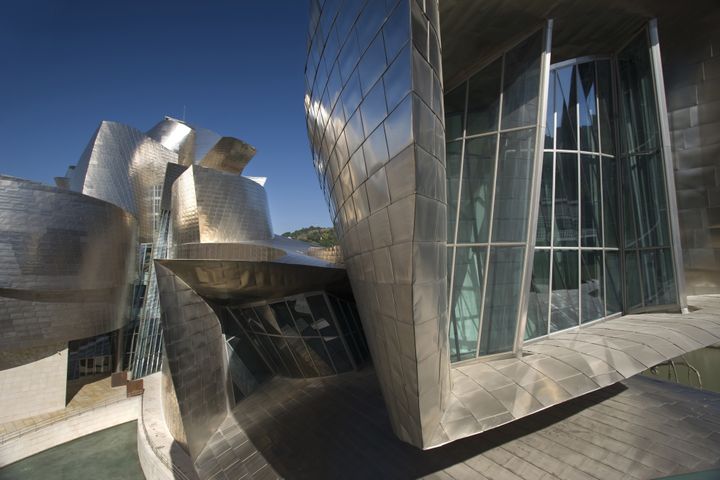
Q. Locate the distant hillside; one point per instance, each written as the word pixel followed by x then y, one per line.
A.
pixel 322 236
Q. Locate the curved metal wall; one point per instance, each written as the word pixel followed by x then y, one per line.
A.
pixel 375 122
pixel 124 167
pixel 66 261
pixel 209 206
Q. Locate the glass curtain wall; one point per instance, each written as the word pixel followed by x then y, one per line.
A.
pixel 306 335
pixel 490 126
pixel 576 272
pixel 648 255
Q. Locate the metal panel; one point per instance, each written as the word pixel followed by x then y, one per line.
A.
pixel 67 263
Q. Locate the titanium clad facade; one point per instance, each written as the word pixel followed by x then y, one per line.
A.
pixel 195 361
pixel 559 206
pixel 124 167
pixel 209 206
pixel 375 123
pixel 66 262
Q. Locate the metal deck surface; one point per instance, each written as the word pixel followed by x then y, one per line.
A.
pixel 487 394
pixel 337 427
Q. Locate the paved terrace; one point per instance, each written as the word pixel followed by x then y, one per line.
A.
pixel 487 394
pixel 337 427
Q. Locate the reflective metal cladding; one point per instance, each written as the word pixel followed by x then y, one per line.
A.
pixel 67 264
pixel 513 185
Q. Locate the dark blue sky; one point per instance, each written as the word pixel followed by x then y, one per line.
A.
pixel 237 67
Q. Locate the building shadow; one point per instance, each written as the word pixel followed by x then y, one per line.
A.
pixel 338 427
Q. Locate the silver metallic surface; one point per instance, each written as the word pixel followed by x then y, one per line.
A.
pixel 124 167
pixel 189 142
pixel 209 206
pixel 66 264
pixel 638 429
pixel 378 148
pixel 195 359
pixel 228 155
pixel 565 365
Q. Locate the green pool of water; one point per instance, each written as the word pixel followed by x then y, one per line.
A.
pixel 105 455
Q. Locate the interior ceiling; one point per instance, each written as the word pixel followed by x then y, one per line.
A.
pixel 474 32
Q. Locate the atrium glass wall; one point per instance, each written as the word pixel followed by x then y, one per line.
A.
pixel 576 272
pixel 308 335
pixel 648 254
pixel 491 122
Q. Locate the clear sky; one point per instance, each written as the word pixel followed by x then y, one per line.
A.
pixel 236 67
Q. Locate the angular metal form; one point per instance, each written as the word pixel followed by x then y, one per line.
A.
pixel 206 208
pixel 228 155
pixel 437 164
pixel 196 363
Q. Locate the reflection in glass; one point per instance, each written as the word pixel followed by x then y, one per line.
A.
pixel 514 177
pixel 284 319
pixel 606 110
pixel 590 202
pixel 613 282
pixel 591 286
pixel 564 298
pixel 537 323
pixel 503 290
pixel 453 152
pixel 610 201
pixel 324 323
pixel 476 194
pixel 521 80
pixel 466 301
pixel 483 99
pixel 659 281
pixel 550 119
pixel 455 112
pixel 566 200
pixel 646 189
pixel 566 107
pixel 544 223
pixel 587 107
pixel 634 297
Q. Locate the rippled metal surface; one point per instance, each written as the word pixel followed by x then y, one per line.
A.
pixel 66 264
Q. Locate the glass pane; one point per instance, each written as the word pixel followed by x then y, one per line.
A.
pixel 566 107
pixel 301 355
pixel 632 281
pixel 646 187
pixel 587 107
pixel 522 83
pixel 605 102
pixel 659 281
pixel 639 126
pixel 483 99
pixel 265 314
pixel 319 356
pixel 324 323
pixel 550 120
pixel 503 291
pixel 303 319
pixel 512 194
pixel 338 353
pixel 613 282
pixel 453 184
pixel 537 323
pixel 284 319
pixel 466 300
pixel 544 225
pixel 477 179
pixel 590 202
pixel 564 298
pixel 591 286
pixel 566 200
pixel 610 201
pixel 455 112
